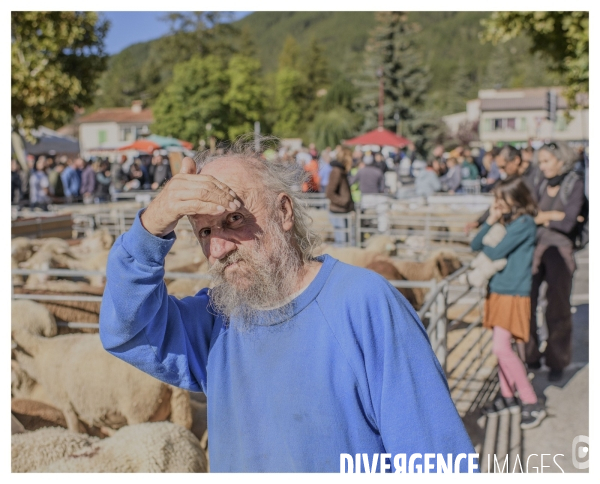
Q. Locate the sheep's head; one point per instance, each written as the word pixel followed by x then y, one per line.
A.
pixel 446 263
pixel 382 244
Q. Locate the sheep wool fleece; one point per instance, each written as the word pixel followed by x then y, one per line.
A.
pixel 351 371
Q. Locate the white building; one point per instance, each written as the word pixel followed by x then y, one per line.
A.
pixel 110 128
pixel 518 115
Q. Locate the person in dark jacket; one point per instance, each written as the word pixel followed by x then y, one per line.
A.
pixel 372 186
pixel 160 170
pixel 340 197
pixel 103 181
pixel 15 182
pixel 512 164
pixel 88 183
pixel 554 259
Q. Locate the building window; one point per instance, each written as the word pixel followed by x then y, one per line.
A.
pixel 127 134
pixel 511 124
pixel 561 122
pixel 102 136
pixel 497 124
pixel 523 124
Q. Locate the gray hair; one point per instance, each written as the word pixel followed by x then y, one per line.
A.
pixel 563 152
pixel 278 176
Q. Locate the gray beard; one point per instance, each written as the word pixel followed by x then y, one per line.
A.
pixel 266 277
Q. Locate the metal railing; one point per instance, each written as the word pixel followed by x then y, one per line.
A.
pixel 463 357
pixel 462 345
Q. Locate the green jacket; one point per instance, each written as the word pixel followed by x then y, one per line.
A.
pixel 517 247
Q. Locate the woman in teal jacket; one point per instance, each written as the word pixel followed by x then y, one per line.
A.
pixel 508 305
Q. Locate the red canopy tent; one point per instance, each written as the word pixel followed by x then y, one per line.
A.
pixel 379 137
pixel 141 145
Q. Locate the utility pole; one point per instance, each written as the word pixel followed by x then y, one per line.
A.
pixel 380 75
pixel 257 136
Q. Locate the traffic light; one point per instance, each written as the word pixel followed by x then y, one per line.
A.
pixel 551 105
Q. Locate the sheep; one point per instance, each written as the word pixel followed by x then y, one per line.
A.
pixel 95 262
pixel 16 427
pixel 25 387
pixel 21 249
pixel 16 280
pixel 98 241
pixel 61 365
pixel 35 415
pixel 388 270
pixel 147 447
pixel 438 266
pixel 376 246
pixel 66 310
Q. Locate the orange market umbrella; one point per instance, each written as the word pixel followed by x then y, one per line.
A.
pixel 141 145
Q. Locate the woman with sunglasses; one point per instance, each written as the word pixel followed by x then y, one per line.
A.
pixel 553 259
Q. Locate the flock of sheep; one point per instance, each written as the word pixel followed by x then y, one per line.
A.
pixel 76 408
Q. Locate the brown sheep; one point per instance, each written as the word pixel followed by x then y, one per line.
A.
pixel 16 427
pixel 35 415
pixel 388 270
pixel 438 266
pixel 93 394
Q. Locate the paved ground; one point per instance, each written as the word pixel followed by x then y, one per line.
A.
pixel 567 400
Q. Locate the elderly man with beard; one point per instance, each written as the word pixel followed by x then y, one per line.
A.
pixel 302 358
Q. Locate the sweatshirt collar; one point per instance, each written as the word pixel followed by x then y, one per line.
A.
pixel 309 294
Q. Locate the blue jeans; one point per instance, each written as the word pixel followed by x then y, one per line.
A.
pixel 341 237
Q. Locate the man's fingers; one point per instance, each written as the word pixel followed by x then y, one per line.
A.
pixel 188 166
pixel 202 182
pixel 194 207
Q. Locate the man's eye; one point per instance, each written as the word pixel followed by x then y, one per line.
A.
pixel 234 217
pixel 204 233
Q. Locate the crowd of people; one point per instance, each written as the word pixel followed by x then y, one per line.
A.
pixel 50 180
pixel 543 210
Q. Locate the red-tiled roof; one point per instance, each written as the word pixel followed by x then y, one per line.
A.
pixel 117 115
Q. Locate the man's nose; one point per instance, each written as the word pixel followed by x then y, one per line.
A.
pixel 220 246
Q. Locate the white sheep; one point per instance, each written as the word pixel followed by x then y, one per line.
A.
pixel 86 382
pixel 148 447
pixel 377 245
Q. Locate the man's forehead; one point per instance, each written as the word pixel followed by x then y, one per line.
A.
pixel 234 172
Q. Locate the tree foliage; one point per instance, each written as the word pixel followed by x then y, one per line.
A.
pixel 245 97
pixel 405 77
pixel 143 71
pixel 193 100
pixel 330 127
pixel 56 58
pixel 563 37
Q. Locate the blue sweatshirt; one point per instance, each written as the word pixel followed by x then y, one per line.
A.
pixel 352 371
pixel 517 248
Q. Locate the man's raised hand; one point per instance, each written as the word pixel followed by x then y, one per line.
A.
pixel 187 194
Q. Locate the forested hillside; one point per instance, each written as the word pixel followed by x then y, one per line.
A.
pixel 459 63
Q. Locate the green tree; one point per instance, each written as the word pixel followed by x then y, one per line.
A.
pixel 462 87
pixel 563 37
pixel 405 77
pixel 245 97
pixel 193 100
pixel 330 127
pixel 290 88
pixel 56 58
pixel 290 54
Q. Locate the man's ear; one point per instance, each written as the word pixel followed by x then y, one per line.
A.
pixel 287 211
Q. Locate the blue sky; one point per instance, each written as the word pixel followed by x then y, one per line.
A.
pixel 129 28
